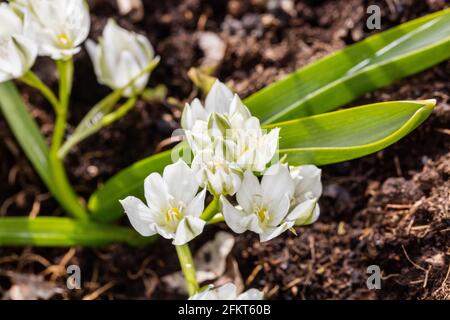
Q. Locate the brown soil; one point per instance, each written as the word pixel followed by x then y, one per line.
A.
pixel 390 209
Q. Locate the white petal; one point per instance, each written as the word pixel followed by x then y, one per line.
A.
pixel 251 294
pixel 237 107
pixel 219 98
pixel 249 192
pixel 187 117
pixel 237 220
pixel 188 228
pixel 197 205
pixel 233 217
pixel 140 216
pixel 273 232
pixel 307 179
pixel 276 184
pixel 181 182
pixel 278 211
pixel 156 193
pixel 163 231
pixel 9 21
pixel 227 291
pixel 305 213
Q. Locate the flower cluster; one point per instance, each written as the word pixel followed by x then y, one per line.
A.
pixel 57 29
pixel 230 152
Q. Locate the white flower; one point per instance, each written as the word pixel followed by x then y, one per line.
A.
pixel 215 173
pixel 249 147
pixel 219 100
pixel 57 26
pixel 119 57
pixel 265 208
pixel 173 206
pixel 226 140
pixel 17 53
pixel 308 189
pixel 227 292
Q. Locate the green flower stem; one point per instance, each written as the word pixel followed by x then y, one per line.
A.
pixel 65 70
pixel 188 268
pixel 216 219
pixel 101 114
pixel 212 209
pixel 71 202
pixel 32 80
pixel 84 131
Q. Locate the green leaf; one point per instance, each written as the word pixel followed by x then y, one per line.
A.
pixel 25 130
pixel 64 232
pixel 351 133
pixel 104 203
pixel 347 74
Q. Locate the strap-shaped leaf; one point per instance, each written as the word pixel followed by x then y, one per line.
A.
pixel 63 232
pixel 347 74
pixel 25 130
pixel 350 133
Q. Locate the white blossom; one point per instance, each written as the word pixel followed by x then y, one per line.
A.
pixel 17 52
pixel 226 140
pixel 214 172
pixel 268 208
pixel 120 56
pixel 227 292
pixel 59 27
pixel 308 189
pixel 219 100
pixel 173 207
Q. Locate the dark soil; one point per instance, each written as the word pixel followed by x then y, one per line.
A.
pixel 390 209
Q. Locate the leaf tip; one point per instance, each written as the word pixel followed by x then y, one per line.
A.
pixel 428 103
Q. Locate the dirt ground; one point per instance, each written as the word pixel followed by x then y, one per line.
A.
pixel 389 209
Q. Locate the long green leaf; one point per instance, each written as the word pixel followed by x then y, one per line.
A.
pixel 347 74
pixel 25 130
pixel 350 133
pixel 63 232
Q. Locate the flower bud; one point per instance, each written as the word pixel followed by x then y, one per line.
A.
pixel 120 57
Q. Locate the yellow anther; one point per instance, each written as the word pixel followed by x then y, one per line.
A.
pixel 262 214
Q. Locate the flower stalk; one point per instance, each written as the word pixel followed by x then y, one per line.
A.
pixel 211 210
pixel 65 70
pixel 32 80
pixel 72 204
pixel 188 268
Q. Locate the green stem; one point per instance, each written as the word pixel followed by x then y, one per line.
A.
pixel 71 202
pixel 32 80
pixel 216 219
pixel 188 268
pixel 84 130
pixel 211 209
pixel 65 70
